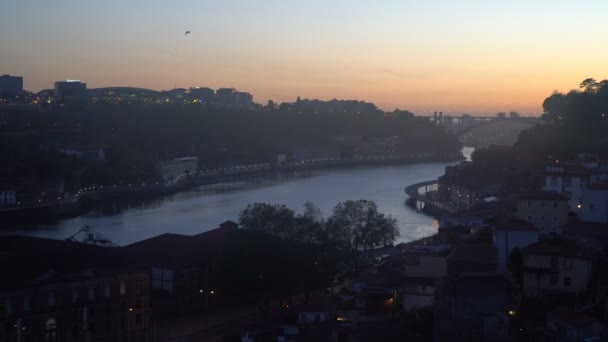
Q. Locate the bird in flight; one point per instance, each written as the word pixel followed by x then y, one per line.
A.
pixel 187 33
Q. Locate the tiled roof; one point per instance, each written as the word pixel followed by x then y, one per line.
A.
pixel 559 246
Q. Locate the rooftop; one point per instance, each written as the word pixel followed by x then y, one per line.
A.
pixel 571 318
pixel 560 246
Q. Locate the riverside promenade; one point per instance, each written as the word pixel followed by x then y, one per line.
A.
pixel 431 205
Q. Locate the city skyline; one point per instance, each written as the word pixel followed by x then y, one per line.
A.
pixel 427 57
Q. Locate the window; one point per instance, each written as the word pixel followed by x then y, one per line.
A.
pixel 555 205
pixel 591 207
pixel 530 218
pixel 542 218
pixel 529 204
pixel 123 288
pixel 553 181
pixel 138 319
pixel 91 293
pixel 568 182
pixel 7 305
pixel 50 330
pixel 51 299
pixel 27 303
pixel 162 279
pixel 75 295
pixel 567 281
pixel 139 286
pixel 106 290
pixel 555 218
pixel 553 279
pixel 542 204
pixel 108 325
pixel 138 303
pixel 554 263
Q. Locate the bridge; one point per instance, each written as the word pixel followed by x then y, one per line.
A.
pixel 483 130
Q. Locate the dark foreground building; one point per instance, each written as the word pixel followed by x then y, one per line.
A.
pixel 54 290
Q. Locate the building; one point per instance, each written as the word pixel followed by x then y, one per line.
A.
pixel 427 262
pixel 594 203
pixel 70 89
pixel 243 100
pixel 556 266
pixel 225 96
pixel 511 235
pixel 202 94
pixel 8 195
pixel 69 291
pixel 174 170
pixel 573 178
pixel 564 324
pixel 11 85
pixel 418 293
pixel 91 153
pixel 547 210
pixel 472 257
pixel 181 268
pixel 473 307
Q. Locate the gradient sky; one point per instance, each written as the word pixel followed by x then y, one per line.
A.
pixel 454 56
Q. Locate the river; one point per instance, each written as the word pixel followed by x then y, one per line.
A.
pixel 204 208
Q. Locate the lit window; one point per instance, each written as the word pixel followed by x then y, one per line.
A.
pixel 91 293
pixel 123 288
pixel 107 290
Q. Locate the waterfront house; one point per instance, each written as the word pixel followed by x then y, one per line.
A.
pixel 510 235
pixel 556 266
pixel 547 210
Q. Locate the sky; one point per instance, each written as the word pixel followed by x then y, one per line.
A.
pixel 477 57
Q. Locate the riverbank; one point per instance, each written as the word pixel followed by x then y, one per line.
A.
pixel 91 197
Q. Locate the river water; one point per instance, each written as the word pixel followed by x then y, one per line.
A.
pixel 204 208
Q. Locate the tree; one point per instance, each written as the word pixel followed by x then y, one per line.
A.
pixel 356 227
pixel 590 85
pixel 310 227
pixel 274 219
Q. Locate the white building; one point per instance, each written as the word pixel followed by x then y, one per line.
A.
pixel 511 235
pixel 174 170
pixel 573 178
pixel 594 204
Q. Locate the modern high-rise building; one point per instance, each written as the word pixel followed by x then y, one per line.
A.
pixel 70 88
pixel 243 100
pixel 206 95
pixel 225 96
pixel 10 85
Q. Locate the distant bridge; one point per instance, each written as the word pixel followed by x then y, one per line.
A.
pixel 483 130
